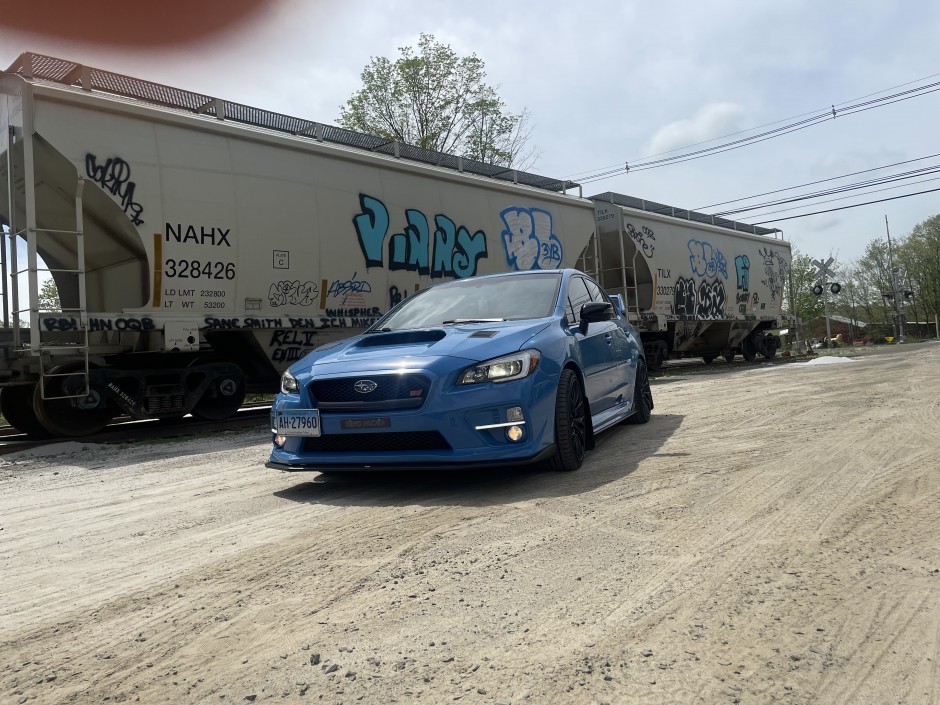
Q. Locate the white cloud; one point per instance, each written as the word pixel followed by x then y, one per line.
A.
pixel 710 121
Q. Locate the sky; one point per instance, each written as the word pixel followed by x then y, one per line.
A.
pixel 606 84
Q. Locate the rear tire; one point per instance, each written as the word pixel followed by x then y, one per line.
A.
pixel 570 424
pixel 708 359
pixel 642 396
pixel 729 357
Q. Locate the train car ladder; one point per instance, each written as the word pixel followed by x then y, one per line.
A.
pixel 631 291
pixel 620 278
pixel 43 344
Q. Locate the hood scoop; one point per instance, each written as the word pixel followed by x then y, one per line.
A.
pixel 405 337
pixel 483 334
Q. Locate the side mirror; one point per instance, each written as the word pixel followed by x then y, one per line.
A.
pixel 595 312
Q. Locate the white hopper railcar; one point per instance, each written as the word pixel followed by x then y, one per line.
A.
pixel 200 246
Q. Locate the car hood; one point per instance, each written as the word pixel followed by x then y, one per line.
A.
pixel 471 342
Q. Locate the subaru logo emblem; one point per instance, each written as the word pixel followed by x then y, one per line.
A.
pixel 364 386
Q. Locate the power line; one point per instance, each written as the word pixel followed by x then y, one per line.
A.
pixel 816 117
pixel 841 198
pixel 889 178
pixel 813 183
pixel 842 208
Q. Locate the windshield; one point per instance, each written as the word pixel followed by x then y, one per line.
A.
pixel 483 299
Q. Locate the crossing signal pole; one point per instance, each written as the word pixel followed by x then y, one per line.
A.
pixel 823 287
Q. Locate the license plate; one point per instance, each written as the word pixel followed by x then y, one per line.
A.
pixel 380 422
pixel 299 422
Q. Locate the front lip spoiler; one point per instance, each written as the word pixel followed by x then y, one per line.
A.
pixel 394 467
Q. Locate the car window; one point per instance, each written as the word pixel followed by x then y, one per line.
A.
pixel 597 294
pixel 577 296
pixel 512 297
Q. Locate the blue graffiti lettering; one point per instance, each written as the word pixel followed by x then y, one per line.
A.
pixel 529 239
pixel 350 286
pixel 409 250
pixel 453 252
pixel 371 227
pixel 706 260
pixel 742 264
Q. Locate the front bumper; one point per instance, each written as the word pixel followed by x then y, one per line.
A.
pixel 400 467
pixel 471 423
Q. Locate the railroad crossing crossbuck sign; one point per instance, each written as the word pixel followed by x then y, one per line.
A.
pixel 824 272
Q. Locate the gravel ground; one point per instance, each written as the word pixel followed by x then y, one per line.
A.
pixel 771 536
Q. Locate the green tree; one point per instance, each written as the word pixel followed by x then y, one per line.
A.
pixel 920 256
pixel 434 99
pixel 805 305
pixel 49 296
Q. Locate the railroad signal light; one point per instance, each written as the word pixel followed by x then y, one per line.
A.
pixel 818 290
pixel 835 288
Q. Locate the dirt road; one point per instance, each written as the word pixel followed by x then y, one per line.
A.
pixel 771 536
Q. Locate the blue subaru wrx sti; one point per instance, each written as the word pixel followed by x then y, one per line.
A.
pixel 501 369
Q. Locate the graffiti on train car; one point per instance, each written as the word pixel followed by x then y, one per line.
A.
pixel 530 240
pixel 95 324
pixel 450 251
pixel 114 176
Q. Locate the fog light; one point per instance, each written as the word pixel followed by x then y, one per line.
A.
pixel 279 441
pixel 514 433
pixel 514 413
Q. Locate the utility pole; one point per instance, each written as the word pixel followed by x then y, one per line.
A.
pixel 898 311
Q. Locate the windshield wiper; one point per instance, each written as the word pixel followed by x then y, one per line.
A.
pixel 472 320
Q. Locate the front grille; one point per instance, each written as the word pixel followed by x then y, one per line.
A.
pixel 404 391
pixel 376 442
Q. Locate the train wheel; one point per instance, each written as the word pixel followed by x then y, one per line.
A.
pixel 223 397
pixel 749 349
pixel 16 405
pixel 72 417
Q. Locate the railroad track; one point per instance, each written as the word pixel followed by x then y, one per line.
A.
pixel 126 430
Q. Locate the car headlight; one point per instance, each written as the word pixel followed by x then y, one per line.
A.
pixel 289 384
pixel 502 369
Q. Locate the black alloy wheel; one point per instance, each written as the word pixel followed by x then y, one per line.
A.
pixel 642 396
pixel 570 423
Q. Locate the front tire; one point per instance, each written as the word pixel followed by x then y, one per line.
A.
pixel 570 424
pixel 642 396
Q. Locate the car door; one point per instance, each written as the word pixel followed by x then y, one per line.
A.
pixel 595 348
pixel 623 346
